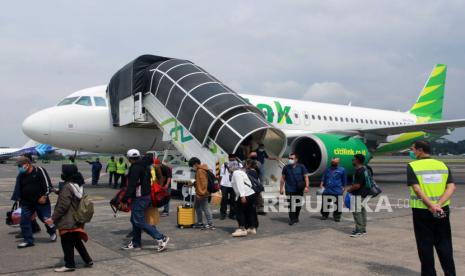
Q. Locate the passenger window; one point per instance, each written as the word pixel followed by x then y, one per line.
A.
pixel 330 118
pixel 356 120
pixel 324 118
pixel 68 101
pixel 336 119
pixel 296 115
pixel 99 101
pixel 84 100
pixel 352 120
pixel 313 117
pixel 306 117
pixel 319 117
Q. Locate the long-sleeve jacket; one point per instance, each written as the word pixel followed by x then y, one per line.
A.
pixel 67 204
pixel 201 181
pixel 138 176
pixel 241 184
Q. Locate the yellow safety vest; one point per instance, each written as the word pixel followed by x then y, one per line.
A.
pixel 153 175
pixel 432 176
pixel 120 168
pixel 111 166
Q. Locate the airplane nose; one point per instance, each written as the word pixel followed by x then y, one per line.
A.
pixel 37 126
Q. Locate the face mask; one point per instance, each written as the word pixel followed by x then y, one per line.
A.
pixel 412 155
pixel 291 162
pixel 22 169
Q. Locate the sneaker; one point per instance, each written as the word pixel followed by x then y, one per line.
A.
pixel 208 227
pixel 162 244
pixel 239 233
pixel 53 237
pixel 291 222
pixel 164 214
pixel 64 269
pixel 130 246
pixel 222 217
pixel 24 245
pixel 356 234
pixel 324 218
pixel 252 231
pixel 337 219
pixel 198 225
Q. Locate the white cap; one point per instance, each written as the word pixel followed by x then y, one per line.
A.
pixel 133 153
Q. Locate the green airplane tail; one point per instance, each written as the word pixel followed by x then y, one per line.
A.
pixel 429 105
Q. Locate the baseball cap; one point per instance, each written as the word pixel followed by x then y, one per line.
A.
pixel 133 153
pixel 23 160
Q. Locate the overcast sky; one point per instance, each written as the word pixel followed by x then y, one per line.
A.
pixel 371 53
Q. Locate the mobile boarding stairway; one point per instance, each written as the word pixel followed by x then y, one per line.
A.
pixel 200 115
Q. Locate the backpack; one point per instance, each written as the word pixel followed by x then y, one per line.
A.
pixel 372 189
pixel 256 184
pixel 85 210
pixel 213 185
pixel 115 202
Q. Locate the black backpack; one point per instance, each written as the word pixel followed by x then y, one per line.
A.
pixel 213 185
pixel 256 183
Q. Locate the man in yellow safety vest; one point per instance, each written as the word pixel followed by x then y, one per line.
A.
pixel 111 169
pixel 431 185
pixel 121 168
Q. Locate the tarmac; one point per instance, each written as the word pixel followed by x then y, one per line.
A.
pixel 311 247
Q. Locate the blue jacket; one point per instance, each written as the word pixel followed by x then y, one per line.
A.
pixel 334 180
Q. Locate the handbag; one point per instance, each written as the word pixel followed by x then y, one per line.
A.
pixel 9 214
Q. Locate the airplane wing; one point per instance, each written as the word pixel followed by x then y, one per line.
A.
pixel 441 127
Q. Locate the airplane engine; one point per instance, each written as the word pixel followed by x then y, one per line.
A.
pixel 315 151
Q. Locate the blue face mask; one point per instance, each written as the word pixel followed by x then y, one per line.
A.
pixel 22 169
pixel 412 155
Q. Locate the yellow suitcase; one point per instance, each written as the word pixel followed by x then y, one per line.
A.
pixel 186 214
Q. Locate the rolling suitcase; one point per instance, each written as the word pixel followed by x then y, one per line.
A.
pixel 186 217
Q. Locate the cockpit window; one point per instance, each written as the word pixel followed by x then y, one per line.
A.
pixel 84 100
pixel 68 101
pixel 99 101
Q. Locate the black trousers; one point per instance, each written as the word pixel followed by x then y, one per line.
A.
pixel 246 214
pixel 433 233
pixel 72 240
pixel 327 200
pixel 227 198
pixel 294 211
pixel 112 178
pixel 117 178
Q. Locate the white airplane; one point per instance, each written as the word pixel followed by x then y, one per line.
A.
pixel 315 131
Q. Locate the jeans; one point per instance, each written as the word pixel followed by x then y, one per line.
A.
pixel 227 198
pixel 44 211
pixel 201 206
pixel 327 201
pixel 72 240
pixel 246 214
pixel 433 233
pixel 294 211
pixel 112 178
pixel 138 207
pixel 360 218
pixel 117 178
pixel 166 208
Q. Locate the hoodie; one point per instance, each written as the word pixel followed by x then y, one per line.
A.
pixel 201 181
pixel 67 205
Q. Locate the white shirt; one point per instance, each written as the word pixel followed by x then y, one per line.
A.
pixel 239 181
pixel 224 173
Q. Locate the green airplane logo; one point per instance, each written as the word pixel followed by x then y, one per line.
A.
pixel 282 112
pixel 177 131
